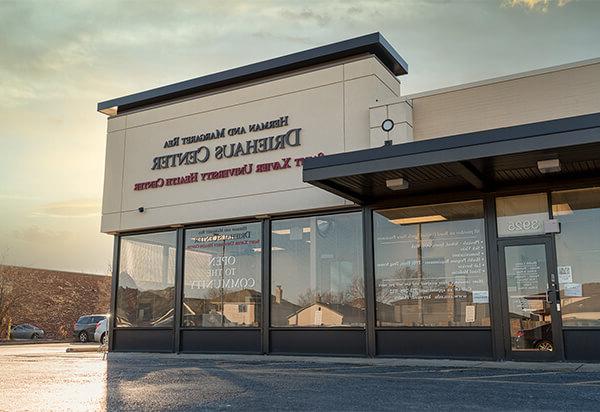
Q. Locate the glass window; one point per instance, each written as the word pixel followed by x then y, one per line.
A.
pixel 578 255
pixel 222 276
pixel 146 284
pixel 521 215
pixel 317 276
pixel 430 266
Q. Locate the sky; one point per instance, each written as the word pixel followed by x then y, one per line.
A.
pixel 58 59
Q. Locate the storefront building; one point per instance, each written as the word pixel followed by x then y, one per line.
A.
pixel 303 205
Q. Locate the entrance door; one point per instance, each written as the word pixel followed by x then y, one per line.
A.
pixel 531 307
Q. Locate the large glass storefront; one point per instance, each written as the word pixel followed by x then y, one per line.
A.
pixel 222 276
pixel 578 255
pixel 430 272
pixel 146 294
pixel 317 276
pixel 430 266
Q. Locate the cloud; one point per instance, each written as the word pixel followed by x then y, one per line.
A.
pixel 37 235
pixel 69 209
pixel 537 5
pixel 265 34
pixel 306 14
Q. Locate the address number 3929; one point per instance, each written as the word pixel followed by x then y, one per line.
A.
pixel 524 225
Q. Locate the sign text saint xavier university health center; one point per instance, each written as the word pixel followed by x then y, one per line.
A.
pixel 203 155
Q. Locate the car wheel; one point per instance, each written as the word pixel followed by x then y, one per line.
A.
pixel 35 336
pixel 104 339
pixel 83 337
pixel 545 345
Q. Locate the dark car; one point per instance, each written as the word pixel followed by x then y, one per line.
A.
pixel 539 338
pixel 84 328
pixel 26 331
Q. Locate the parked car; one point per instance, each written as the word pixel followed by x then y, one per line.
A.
pixel 539 338
pixel 26 331
pixel 101 333
pixel 84 328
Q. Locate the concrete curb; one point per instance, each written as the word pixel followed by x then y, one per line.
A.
pixel 81 349
pixel 31 342
pixel 396 362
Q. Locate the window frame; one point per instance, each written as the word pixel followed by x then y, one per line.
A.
pixel 115 287
pixel 550 192
pixel 308 214
pixel 181 287
pixel 490 272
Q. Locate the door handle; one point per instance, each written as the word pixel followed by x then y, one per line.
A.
pixel 552 296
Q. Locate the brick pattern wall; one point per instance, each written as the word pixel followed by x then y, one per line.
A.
pixel 553 95
pixel 54 300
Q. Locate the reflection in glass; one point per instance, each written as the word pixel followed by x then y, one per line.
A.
pixel 222 276
pixel 430 266
pixel 530 314
pixel 521 215
pixel 317 271
pixel 578 255
pixel 146 284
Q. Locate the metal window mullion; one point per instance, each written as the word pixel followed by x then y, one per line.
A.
pixel 179 252
pixel 113 293
pixel 265 295
pixel 495 283
pixel 369 279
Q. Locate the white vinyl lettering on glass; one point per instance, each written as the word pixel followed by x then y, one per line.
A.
pixel 520 225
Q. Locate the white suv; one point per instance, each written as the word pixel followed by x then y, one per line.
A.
pixel 101 333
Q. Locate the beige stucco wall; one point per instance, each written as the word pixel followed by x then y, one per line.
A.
pixel 329 103
pixel 232 313
pixel 555 93
pixel 307 317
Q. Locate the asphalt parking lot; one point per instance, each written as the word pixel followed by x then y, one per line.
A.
pixel 45 377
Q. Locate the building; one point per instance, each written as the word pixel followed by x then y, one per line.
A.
pixel 305 205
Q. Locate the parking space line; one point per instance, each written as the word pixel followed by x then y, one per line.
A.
pixel 405 378
pixel 590 383
pixel 506 375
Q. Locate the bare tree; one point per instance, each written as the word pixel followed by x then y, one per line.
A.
pixel 9 297
pixel 402 284
pixel 311 296
pixel 357 288
pixel 9 294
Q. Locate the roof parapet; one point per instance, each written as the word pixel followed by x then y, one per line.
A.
pixel 373 43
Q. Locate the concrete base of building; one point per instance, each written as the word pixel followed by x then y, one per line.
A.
pixel 397 362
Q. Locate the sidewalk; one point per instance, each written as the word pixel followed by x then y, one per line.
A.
pixel 83 347
pixel 395 362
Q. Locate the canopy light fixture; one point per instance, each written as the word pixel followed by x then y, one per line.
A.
pixel 288 231
pixel 548 166
pixel 418 219
pixel 397 184
pixel 258 250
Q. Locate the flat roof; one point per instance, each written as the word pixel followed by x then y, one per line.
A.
pixel 373 43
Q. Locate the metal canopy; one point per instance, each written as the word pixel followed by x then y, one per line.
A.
pixel 481 161
pixel 373 43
